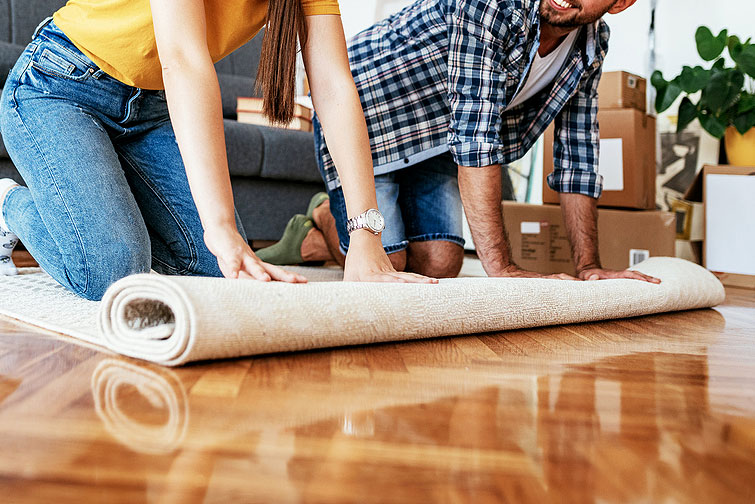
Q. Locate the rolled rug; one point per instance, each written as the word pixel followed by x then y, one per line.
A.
pixel 173 320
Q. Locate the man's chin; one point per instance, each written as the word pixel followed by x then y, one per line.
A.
pixel 561 21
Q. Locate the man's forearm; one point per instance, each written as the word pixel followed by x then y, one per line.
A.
pixel 480 190
pixel 581 219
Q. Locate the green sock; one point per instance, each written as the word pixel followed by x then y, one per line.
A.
pixel 288 249
pixel 317 200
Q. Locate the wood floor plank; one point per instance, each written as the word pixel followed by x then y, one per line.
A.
pixel 650 409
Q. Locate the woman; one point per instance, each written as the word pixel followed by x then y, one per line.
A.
pixel 112 115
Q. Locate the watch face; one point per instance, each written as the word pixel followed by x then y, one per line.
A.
pixel 375 220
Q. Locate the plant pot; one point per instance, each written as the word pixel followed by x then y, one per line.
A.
pixel 740 149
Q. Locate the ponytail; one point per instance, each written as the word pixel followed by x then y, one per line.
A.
pixel 276 74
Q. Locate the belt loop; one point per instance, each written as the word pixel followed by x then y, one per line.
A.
pixel 40 26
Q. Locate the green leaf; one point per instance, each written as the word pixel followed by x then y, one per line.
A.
pixel 668 95
pixel 718 66
pixel 746 60
pixel 687 114
pixel 693 80
pixel 713 125
pixel 708 46
pixel 658 81
pixel 722 90
pixel 745 122
pixel 735 46
pixel 746 103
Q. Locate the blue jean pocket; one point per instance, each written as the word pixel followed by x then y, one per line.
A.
pixel 60 64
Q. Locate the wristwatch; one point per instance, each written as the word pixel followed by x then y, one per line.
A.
pixel 371 220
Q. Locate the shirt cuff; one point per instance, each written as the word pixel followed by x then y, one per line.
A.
pixel 584 182
pixel 475 154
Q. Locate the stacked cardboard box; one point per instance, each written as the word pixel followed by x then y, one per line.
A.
pixel 539 242
pixel 629 229
pixel 627 145
pixel 718 222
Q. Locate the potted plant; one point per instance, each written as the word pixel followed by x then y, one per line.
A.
pixel 726 103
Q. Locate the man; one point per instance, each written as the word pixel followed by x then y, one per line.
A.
pixel 452 90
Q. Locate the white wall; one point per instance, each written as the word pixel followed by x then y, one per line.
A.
pixel 676 22
pixel 360 14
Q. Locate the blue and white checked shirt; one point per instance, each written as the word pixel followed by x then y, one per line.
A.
pixel 438 76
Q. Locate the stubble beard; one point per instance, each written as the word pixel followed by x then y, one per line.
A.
pixel 571 20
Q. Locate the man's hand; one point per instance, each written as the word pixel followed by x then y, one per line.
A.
pixel 517 272
pixel 480 190
pixel 605 274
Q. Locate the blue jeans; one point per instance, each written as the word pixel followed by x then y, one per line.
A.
pixel 107 194
pixel 419 203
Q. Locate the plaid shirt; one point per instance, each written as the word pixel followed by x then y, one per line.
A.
pixel 438 76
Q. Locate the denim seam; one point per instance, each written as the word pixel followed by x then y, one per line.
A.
pixel 136 92
pixel 60 75
pixel 193 255
pixel 438 237
pixel 65 205
pixel 396 247
pixel 87 63
pixel 17 84
pixel 167 266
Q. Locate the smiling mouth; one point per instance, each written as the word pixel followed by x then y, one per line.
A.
pixel 562 4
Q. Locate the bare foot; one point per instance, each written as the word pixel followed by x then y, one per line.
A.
pixel 322 216
pixel 314 247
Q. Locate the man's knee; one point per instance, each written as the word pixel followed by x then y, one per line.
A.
pixel 436 259
pixel 398 260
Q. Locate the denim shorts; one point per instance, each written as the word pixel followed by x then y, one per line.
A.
pixel 420 203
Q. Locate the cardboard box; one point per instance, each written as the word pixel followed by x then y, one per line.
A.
pixel 622 90
pixel 729 207
pixel 627 160
pixel 539 241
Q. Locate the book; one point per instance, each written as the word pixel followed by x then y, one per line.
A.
pixel 252 104
pixel 298 123
pixel 249 110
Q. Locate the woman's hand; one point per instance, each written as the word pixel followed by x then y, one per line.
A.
pixel 236 259
pixel 368 262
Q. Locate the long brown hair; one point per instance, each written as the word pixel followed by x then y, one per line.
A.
pixel 276 74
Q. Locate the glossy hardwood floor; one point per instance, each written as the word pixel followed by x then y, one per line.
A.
pixel 656 409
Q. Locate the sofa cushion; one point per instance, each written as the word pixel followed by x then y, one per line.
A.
pixel 9 53
pixel 270 153
pixel 244 60
pixel 26 16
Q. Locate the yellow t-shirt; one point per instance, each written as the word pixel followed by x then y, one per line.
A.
pixel 119 37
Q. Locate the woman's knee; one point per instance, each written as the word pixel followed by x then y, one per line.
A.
pixel 106 266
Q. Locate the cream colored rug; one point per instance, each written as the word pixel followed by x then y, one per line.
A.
pixel 175 320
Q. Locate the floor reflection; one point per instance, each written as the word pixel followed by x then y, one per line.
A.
pixel 648 410
pixel 626 427
pixel 144 407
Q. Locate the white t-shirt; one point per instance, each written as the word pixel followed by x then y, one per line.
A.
pixel 544 70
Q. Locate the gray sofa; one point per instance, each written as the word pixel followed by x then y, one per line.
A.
pixel 273 171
